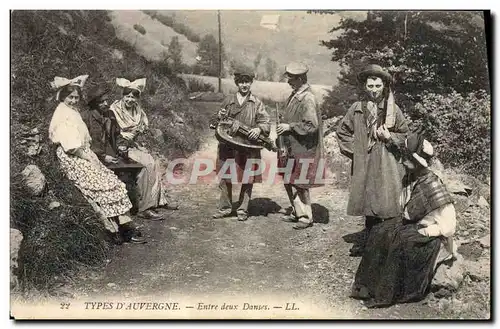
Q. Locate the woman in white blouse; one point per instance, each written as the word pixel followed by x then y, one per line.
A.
pixel 82 166
pixel 402 253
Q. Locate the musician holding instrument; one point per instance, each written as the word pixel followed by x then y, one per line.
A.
pixel 243 109
pixel 302 133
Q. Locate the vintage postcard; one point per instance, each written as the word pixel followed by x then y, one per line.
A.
pixel 230 164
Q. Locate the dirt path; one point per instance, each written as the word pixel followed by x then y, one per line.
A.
pixel 260 261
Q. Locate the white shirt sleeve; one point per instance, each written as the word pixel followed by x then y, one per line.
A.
pixel 68 129
pixel 440 222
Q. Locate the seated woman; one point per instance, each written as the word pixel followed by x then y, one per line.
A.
pixel 98 184
pixel 131 121
pixel 99 125
pixel 399 262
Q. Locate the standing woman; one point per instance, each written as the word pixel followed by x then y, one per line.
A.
pixel 131 121
pixel 81 165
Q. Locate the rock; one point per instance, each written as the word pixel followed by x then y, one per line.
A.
pixel 111 285
pixel 34 179
pixel 481 202
pixel 158 135
pixel 54 204
pixel 457 187
pixel 16 237
pixel 478 270
pixel 485 241
pixel 449 277
pixel 261 244
pixel 31 141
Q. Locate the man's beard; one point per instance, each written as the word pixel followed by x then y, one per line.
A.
pixel 375 96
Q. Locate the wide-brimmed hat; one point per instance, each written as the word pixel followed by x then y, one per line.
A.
pixel 296 68
pixel 374 70
pixel 419 148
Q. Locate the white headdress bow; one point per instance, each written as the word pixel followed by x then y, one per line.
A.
pixel 138 84
pixel 60 82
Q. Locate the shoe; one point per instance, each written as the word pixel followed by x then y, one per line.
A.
pixel 290 218
pixel 133 236
pixel 152 215
pixel 222 213
pixel 242 215
pixel 302 225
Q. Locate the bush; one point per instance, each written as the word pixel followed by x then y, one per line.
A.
pixel 195 85
pixel 176 26
pixel 140 29
pixel 459 129
pixel 338 101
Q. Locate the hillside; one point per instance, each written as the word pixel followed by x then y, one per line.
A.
pixel 155 42
pixel 298 38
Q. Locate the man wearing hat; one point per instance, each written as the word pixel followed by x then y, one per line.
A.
pixel 371 134
pixel 243 107
pixel 302 131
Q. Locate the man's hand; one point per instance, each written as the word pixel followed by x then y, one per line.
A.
pixel 383 133
pixel 221 113
pixel 254 133
pixel 282 127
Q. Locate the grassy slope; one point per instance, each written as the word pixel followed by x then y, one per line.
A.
pixel 157 37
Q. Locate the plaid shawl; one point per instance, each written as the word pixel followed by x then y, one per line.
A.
pixel 428 194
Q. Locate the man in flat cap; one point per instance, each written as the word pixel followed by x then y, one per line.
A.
pixel 302 131
pixel 244 108
pixel 371 134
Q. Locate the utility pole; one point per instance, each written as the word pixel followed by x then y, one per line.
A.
pixel 220 51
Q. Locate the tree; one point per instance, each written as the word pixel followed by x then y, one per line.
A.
pixel 425 51
pixel 175 54
pixel 208 54
pixel 271 68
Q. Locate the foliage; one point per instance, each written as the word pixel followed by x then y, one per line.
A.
pixel 195 85
pixel 271 68
pixel 439 62
pixel 459 128
pixel 176 26
pixel 175 54
pixel 208 52
pixel 139 28
pixel 434 51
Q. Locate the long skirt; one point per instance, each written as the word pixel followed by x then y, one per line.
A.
pixel 97 183
pixel 397 265
pixel 150 192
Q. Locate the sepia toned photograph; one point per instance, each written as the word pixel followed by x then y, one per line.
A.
pixel 250 164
